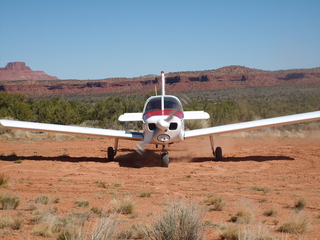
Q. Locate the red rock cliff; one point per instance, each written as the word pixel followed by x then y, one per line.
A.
pixel 19 71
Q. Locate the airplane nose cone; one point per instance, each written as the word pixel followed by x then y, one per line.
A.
pixel 162 124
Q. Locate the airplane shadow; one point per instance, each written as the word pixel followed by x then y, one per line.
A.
pixel 242 159
pixel 135 160
pixel 62 158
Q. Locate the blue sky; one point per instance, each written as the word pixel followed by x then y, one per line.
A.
pixel 128 38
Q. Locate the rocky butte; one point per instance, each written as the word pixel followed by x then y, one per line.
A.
pixel 19 71
pixel 18 78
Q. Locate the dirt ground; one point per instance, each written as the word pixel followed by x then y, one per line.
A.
pixel 267 172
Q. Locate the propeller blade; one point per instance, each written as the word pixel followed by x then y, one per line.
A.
pixel 141 146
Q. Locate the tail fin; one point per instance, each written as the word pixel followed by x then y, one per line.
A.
pixel 163 82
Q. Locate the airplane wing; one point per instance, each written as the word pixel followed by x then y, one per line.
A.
pixel 264 123
pixel 55 128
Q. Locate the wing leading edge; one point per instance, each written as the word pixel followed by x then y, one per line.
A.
pixel 257 124
pixel 93 132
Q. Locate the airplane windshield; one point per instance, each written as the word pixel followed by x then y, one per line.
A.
pixel 170 103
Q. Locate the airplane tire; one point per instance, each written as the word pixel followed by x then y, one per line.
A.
pixel 110 154
pixel 218 154
pixel 164 159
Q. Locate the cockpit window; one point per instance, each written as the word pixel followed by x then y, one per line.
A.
pixel 170 103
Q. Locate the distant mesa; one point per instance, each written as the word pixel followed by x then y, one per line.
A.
pixel 16 66
pixel 229 77
pixel 20 71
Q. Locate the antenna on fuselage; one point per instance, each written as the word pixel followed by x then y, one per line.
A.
pixel 155 90
pixel 163 82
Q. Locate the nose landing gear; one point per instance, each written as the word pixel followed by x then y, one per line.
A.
pixel 164 157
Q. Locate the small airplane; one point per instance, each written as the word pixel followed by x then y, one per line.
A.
pixel 163 124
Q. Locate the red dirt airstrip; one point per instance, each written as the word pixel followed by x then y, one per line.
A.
pixel 266 171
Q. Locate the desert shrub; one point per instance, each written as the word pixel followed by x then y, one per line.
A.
pixel 247 232
pixel 124 206
pixel 300 203
pixel 231 232
pixel 298 223
pixel 244 212
pixel 7 222
pixel 71 227
pixel 82 203
pixel 98 211
pixel 271 212
pixel 259 189
pixel 215 203
pixel 145 194
pixel 133 232
pixel 101 184
pixel 46 223
pixel 42 200
pixel 105 229
pixel 9 201
pixel 181 221
pixel 4 181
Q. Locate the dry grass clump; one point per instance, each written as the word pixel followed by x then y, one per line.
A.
pixel 300 203
pixel 46 223
pixel 298 223
pixel 4 181
pixel 125 206
pixel 42 200
pixel 271 212
pixel 82 203
pixel 246 232
pixel 105 229
pixel 215 203
pixel 133 232
pixel 145 194
pixel 260 189
pixel 7 222
pixel 180 221
pixel 9 201
pixel 65 228
pixel 244 213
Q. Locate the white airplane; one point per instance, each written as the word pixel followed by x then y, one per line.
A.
pixel 163 118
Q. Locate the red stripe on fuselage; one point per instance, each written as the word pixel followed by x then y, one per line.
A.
pixel 161 113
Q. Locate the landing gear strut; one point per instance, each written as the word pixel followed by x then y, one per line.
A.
pixel 216 152
pixel 164 157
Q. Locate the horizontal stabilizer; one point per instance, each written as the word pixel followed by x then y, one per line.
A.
pixel 55 128
pixel 193 115
pixel 130 117
pixel 257 124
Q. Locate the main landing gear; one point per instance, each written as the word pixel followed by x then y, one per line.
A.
pixel 111 153
pixel 216 152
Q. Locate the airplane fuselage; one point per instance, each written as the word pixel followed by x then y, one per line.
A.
pixel 163 120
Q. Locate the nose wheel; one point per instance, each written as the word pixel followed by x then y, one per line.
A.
pixel 164 157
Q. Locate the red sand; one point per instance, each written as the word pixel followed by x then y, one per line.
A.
pixel 288 168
